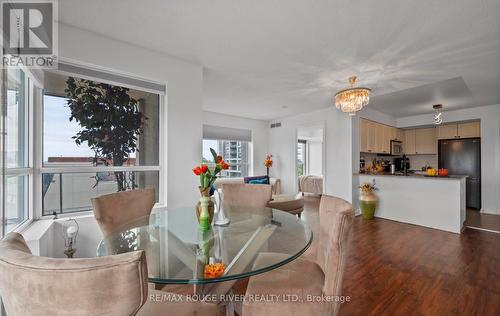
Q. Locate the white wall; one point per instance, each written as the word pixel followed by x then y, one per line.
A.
pixel 338 136
pixel 315 157
pixel 490 147
pixel 260 133
pixel 183 120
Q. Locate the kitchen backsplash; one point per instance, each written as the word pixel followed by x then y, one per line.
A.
pixel 416 161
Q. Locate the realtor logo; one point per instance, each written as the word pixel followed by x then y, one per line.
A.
pixel 29 34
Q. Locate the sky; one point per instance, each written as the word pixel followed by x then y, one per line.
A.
pixel 207 144
pixel 58 130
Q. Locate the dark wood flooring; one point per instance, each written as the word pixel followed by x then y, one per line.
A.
pixel 476 219
pixel 401 269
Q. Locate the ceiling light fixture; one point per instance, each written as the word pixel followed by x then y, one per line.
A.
pixel 353 99
pixel 438 116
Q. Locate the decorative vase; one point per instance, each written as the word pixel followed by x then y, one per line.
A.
pixel 205 192
pixel 368 204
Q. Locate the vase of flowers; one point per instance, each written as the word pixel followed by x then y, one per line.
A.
pixel 268 163
pixel 368 200
pixel 205 206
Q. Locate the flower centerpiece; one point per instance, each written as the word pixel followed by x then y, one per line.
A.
pixel 205 207
pixel 368 199
pixel 268 163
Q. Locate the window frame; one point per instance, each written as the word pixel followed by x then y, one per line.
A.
pixel 160 168
pixel 26 171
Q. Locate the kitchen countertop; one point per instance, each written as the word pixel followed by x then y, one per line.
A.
pixel 411 176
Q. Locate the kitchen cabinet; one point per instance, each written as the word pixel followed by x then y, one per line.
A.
pixel 425 141
pixel 409 142
pixel 375 137
pixel 363 136
pixel 447 131
pixel 400 134
pixel 459 130
pixel 469 130
pixel 371 139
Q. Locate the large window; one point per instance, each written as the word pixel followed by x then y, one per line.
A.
pixel 235 153
pixel 90 151
pixel 16 165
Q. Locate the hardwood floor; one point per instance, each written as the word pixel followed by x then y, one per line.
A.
pixel 401 269
pixel 476 219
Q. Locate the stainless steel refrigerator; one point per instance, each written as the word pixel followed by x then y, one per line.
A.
pixel 463 157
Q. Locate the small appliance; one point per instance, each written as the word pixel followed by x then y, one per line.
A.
pixel 399 164
pixel 396 147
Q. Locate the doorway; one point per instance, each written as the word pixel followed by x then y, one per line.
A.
pixel 310 159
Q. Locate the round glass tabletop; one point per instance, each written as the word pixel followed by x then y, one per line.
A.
pixel 177 251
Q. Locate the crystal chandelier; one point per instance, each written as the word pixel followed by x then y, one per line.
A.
pixel 353 99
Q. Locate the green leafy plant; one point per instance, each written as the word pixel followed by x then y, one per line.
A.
pixel 110 121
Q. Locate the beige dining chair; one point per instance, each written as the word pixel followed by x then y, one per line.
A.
pixel 301 277
pixel 114 211
pixel 249 195
pixel 112 285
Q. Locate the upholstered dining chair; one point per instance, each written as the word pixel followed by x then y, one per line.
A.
pixel 114 211
pixel 250 195
pixel 321 278
pixel 113 285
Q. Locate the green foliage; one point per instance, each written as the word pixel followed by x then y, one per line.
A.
pixel 110 120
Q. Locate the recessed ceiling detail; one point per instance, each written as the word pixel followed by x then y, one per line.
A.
pixel 259 56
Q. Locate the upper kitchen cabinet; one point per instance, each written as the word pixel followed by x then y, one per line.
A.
pixel 363 136
pixel 425 141
pixel 447 131
pixel 400 134
pixel 375 137
pixel 420 141
pixel 459 130
pixel 367 136
pixel 469 130
pixel 409 142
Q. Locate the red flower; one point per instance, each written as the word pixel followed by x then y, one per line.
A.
pixel 197 170
pixel 219 159
pixel 224 165
pixel 204 168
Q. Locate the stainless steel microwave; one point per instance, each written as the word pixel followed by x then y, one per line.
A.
pixel 396 147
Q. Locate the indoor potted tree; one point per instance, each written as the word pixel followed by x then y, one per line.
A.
pixel 110 121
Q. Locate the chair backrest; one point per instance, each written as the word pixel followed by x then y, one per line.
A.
pixel 114 211
pixel 252 195
pixel 33 285
pixel 335 216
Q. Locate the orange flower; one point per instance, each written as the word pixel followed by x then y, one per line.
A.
pixel 219 159
pixel 214 270
pixel 268 162
pixel 197 170
pixel 224 165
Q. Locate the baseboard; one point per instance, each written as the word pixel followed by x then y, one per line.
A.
pixel 483 211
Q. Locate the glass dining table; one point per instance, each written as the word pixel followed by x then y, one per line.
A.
pixel 178 252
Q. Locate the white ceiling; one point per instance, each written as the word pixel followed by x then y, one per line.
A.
pixel 268 59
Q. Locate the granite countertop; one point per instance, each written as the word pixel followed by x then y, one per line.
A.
pixel 412 176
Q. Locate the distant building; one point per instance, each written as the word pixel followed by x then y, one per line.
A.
pixel 235 153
